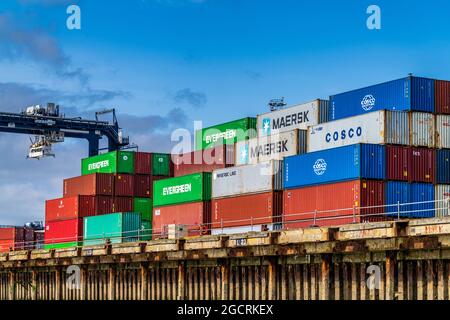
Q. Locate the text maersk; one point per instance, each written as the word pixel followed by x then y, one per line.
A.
pixel 290 120
pixel 177 189
pixel 269 148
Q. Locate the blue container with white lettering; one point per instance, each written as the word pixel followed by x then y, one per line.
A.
pixel 359 161
pixel 406 94
pixel 410 200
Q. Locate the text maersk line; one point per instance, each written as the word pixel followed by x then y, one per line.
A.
pixel 232 309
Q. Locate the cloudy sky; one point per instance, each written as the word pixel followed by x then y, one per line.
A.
pixel 165 63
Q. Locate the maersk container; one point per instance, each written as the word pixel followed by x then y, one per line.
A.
pixel 296 117
pixel 145 207
pixel 259 178
pixel 442 131
pixel 361 161
pixel 274 147
pixel 111 162
pixel 407 94
pixel 422 129
pixel 117 228
pixel 190 188
pixel 443 166
pixel 442 197
pixel 442 97
pixel 410 200
pixel 225 133
pixel 380 127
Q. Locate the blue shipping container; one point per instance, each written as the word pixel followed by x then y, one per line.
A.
pixel 406 94
pixel 397 192
pixel 422 192
pixel 404 193
pixel 359 161
pixel 443 166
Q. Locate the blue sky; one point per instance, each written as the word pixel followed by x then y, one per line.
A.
pixel 165 63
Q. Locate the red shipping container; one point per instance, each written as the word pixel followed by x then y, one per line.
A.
pixel 203 160
pixel 143 185
pixel 7 245
pixel 423 165
pixel 89 185
pixel 104 204
pixel 333 204
pixel 398 163
pixel 11 233
pixel 63 231
pixel 122 204
pixel 142 163
pixel 255 209
pixel 442 98
pixel 196 215
pixel 123 185
pixel 69 208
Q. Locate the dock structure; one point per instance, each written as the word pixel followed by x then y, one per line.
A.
pixel 395 260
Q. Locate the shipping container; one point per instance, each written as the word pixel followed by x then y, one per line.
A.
pixel 11 238
pixel 273 147
pixel 162 165
pixel 116 227
pixel 422 195
pixel 63 231
pixel 145 234
pixel 443 166
pixel 191 188
pixel 333 204
pixel 360 161
pixel 70 208
pixel 29 239
pixel 111 162
pixel 324 111
pixel 398 162
pixel 39 237
pixel 402 199
pixel 206 160
pixel 422 129
pixel 142 163
pixel 122 204
pixel 381 127
pixel 255 209
pixel 195 215
pixel 423 164
pixel 103 204
pixel 259 178
pixel 287 119
pixel 143 185
pixel 123 185
pixel 145 207
pixel 442 197
pixel 407 94
pixel 7 246
pixel 442 98
pixel 443 131
pixel 89 185
pixel 63 245
pixel 225 133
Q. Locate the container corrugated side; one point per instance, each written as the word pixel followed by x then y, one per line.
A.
pixel 70 208
pixel 398 163
pixel 89 185
pixel 423 165
pixel 142 163
pixel 442 197
pixel 443 131
pixel 63 231
pixel 403 199
pixel 145 207
pixel 423 129
pixel 443 166
pixel 396 193
pixel 262 177
pixel 162 165
pixel 124 185
pixel 324 109
pixel 442 97
pixel 423 193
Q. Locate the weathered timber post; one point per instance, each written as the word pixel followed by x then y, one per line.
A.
pixel 144 281
pixel 225 274
pixel 83 282
pixel 390 272
pixel 112 282
pixel 272 279
pixel 34 287
pixel 11 285
pixel 181 280
pixel 58 284
pixel 324 291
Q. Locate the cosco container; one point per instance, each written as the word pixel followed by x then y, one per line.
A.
pixel 116 227
pixel 274 147
pixel 226 133
pixel 360 161
pixel 423 165
pixel 255 209
pixel 111 162
pixel 380 127
pixel 203 160
pixel 443 166
pixel 422 129
pixel 123 185
pixel 262 177
pixel 443 131
pixel 296 117
pixel 63 231
pixel 398 161
pixel 89 185
pixel 442 89
pixel 333 204
pixel 442 197
pixel 69 208
pixel 410 200
pixel 407 94
pixel 191 188
pixel 158 164
pixel 196 216
pixel 145 207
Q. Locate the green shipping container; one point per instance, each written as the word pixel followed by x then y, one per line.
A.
pixel 189 188
pixel 111 162
pixel 225 133
pixel 146 230
pixel 117 227
pixel 161 164
pixel 62 245
pixel 145 207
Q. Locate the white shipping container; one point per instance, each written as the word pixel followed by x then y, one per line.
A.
pixel 266 148
pixel 441 193
pixel 443 131
pixel 297 117
pixel 422 129
pixel 262 177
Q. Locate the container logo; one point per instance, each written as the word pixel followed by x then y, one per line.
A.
pixel 244 154
pixel 266 126
pixel 98 165
pixel 320 166
pixel 125 158
pixel 368 102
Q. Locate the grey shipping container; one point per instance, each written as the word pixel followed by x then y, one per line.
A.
pixel 441 193
pixel 422 129
pixel 443 131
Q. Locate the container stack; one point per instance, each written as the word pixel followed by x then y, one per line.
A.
pixel 112 188
pixel 11 238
